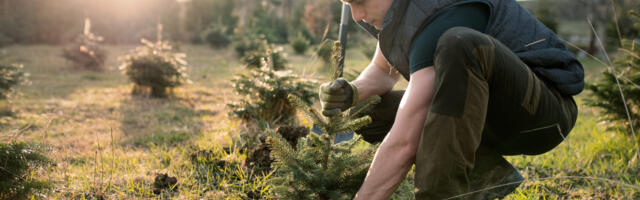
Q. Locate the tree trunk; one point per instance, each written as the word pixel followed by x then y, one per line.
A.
pixel 159 92
pixel 592 44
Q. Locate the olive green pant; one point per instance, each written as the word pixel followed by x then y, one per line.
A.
pixel 487 103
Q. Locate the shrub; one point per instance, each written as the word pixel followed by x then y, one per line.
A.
pixel 20 161
pixel 300 44
pixel 264 92
pixel 156 67
pixel 266 22
pixel 273 57
pixel 85 51
pixel 316 168
pixel 323 50
pixel 5 40
pixel 546 14
pixel 625 76
pixel 246 42
pixel 368 51
pixel 625 24
pixel 201 13
pixel 366 45
pixel 10 76
pixel 216 36
pixel 317 16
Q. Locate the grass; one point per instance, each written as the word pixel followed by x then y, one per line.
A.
pixel 109 144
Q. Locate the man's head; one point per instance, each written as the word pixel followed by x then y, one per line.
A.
pixel 369 11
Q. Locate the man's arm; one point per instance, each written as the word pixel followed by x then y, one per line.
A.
pixel 377 78
pixel 397 151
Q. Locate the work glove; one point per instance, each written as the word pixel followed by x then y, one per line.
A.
pixel 337 96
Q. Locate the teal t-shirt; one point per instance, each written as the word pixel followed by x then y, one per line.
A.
pixel 423 47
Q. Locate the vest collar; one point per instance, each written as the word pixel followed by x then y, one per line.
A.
pixel 389 16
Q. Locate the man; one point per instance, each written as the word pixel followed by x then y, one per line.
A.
pixel 486 79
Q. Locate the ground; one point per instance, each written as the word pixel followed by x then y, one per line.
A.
pixel 110 144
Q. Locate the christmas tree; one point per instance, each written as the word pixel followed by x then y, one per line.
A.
pixel 86 51
pixel 618 90
pixel 318 168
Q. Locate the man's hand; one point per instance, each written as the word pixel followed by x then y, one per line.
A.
pixel 337 96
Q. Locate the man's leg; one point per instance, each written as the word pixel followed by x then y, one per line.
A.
pixel 485 102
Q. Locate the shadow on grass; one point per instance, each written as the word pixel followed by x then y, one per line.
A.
pixel 156 122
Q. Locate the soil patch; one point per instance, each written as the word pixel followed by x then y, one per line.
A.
pixel 164 182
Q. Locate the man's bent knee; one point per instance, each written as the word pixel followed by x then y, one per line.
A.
pixel 462 37
pixel 461 47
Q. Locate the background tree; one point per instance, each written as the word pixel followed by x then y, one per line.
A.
pixel 20 162
pixel 155 67
pixel 85 52
pixel 623 77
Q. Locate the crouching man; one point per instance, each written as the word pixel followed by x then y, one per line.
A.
pixel 486 79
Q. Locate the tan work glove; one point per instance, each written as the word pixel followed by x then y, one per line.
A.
pixel 337 96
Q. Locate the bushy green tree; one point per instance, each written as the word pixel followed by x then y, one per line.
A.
pixel 85 52
pixel 266 22
pixel 623 76
pixel 155 67
pixel 247 42
pixel 201 14
pixel 323 51
pixel 318 168
pixel 263 93
pixel 300 44
pixel 217 36
pixel 546 14
pixel 11 76
pixel 623 26
pixel 19 162
pixel 268 53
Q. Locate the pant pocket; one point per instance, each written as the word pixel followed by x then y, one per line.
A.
pixel 532 141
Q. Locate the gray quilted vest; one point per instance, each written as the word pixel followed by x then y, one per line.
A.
pixel 510 23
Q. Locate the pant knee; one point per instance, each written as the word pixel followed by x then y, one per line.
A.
pixel 462 38
pixel 461 47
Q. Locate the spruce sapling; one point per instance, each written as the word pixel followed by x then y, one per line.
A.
pixel 319 169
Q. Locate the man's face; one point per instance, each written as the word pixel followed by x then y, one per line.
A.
pixel 369 11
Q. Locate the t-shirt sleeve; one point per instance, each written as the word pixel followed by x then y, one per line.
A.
pixel 423 47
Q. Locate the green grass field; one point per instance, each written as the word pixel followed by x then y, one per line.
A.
pixel 109 144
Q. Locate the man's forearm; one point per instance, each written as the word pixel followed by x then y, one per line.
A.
pixel 387 161
pixel 397 152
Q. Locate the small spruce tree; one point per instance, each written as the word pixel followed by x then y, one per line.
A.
pixel 623 76
pixel 216 36
pixel 323 51
pixel 300 44
pixel 274 55
pixel 11 76
pixel 19 164
pixel 317 168
pixel 85 51
pixel 246 42
pixel 264 94
pixel 155 67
